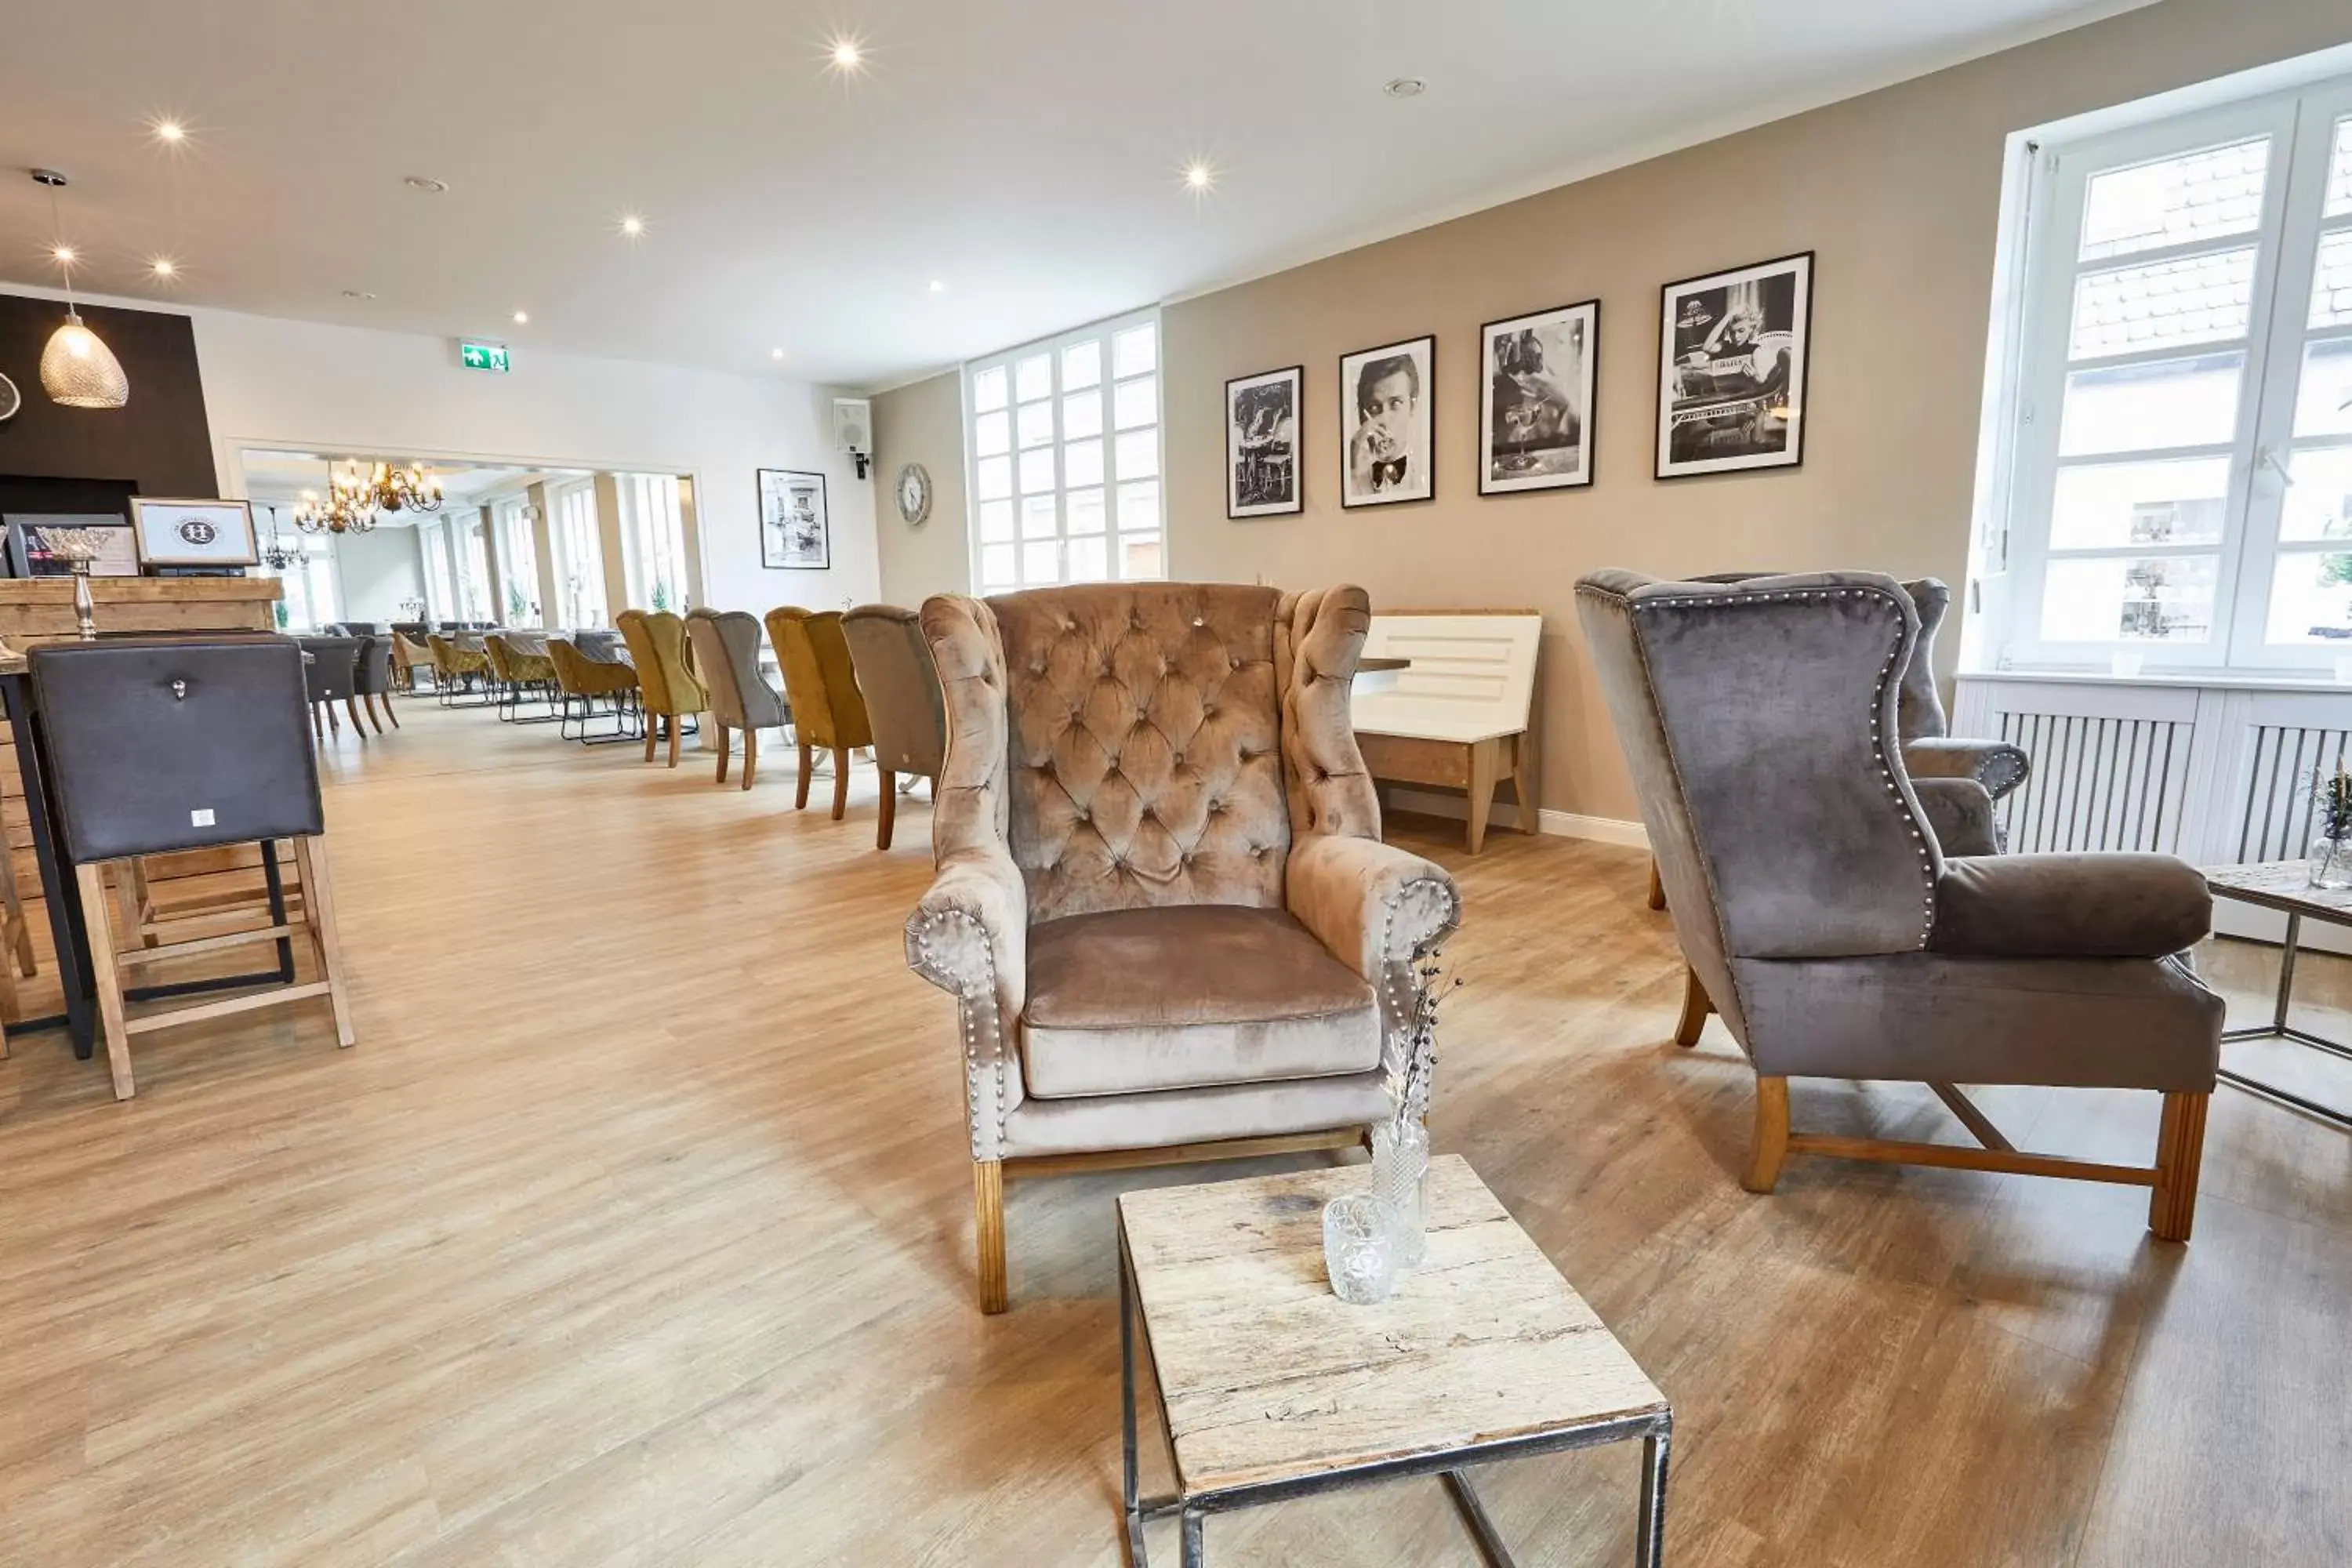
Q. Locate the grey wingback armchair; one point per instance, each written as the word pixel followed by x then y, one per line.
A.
pixel 903 705
pixel 727 654
pixel 1849 919
pixel 1162 901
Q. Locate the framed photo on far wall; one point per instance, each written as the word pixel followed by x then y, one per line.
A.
pixel 795 533
pixel 29 554
pixel 1534 408
pixel 174 532
pixel 1387 450
pixel 1731 377
pixel 1262 472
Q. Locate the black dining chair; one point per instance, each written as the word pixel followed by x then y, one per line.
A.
pixel 331 676
pixel 163 744
pixel 372 678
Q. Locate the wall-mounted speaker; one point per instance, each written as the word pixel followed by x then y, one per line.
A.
pixel 853 430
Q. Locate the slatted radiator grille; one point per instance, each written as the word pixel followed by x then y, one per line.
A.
pixel 2273 820
pixel 2098 782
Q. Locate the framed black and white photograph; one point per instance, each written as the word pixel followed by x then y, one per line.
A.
pixel 31 556
pixel 794 535
pixel 1262 471
pixel 1387 450
pixel 1535 404
pixel 176 532
pixel 1733 347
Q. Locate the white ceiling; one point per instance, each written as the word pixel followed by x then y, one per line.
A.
pixel 1027 155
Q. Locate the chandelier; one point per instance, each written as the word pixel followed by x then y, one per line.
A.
pixel 276 554
pixel 356 494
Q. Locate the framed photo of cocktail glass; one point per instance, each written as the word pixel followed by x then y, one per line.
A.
pixel 176 532
pixel 1535 407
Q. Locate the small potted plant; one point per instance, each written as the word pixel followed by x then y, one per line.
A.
pixel 2331 827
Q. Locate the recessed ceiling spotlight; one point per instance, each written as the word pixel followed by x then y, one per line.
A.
pixel 166 267
pixel 522 318
pixel 1404 86
pixel 170 131
pixel 357 294
pixel 633 225
pixel 844 54
pixel 938 287
pixel 1199 176
pixel 66 255
pixel 425 182
pixel 775 353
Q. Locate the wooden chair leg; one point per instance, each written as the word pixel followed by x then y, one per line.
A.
pixel 2179 1154
pixel 1772 1135
pixel 988 1206
pixel 326 944
pixel 653 734
pixel 1657 887
pixel 375 716
pixel 1485 763
pixel 91 882
pixel 840 781
pixel 1696 1005
pixel 722 754
pixel 389 711
pixel 808 770
pixel 676 735
pixel 750 755
pixel 890 812
pixel 318 724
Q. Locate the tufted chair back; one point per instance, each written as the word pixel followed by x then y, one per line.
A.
pixel 1138 745
pixel 658 647
pixel 819 683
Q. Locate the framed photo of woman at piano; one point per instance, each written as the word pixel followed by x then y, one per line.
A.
pixel 1732 349
pixel 1534 409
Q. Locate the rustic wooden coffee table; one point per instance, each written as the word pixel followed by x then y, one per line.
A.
pixel 2284 886
pixel 1274 1388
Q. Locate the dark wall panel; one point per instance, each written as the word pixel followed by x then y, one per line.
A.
pixel 158 444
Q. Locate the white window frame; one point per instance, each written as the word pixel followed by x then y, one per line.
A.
pixel 652 538
pixel 569 507
pixel 1115 538
pixel 2301 128
pixel 440 584
pixel 518 547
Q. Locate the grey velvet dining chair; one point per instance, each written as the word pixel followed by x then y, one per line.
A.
pixel 903 705
pixel 1848 920
pixel 727 656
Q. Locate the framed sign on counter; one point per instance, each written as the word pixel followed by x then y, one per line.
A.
pixel 176 532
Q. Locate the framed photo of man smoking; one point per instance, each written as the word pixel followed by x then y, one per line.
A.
pixel 1535 407
pixel 1387 450
pixel 1262 474
pixel 1731 388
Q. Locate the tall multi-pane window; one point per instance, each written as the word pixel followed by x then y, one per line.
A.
pixel 518 563
pixel 308 587
pixel 474 591
pixel 440 594
pixel 1063 443
pixel 2182 492
pixel 653 536
pixel 579 556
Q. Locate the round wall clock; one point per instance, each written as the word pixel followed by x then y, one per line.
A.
pixel 11 399
pixel 914 494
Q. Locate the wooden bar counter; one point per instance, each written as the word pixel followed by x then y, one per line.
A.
pixel 39 610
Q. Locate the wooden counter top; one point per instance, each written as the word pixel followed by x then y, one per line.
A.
pixel 40 609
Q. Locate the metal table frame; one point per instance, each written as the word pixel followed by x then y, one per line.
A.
pixel 1192 1509
pixel 2278 1029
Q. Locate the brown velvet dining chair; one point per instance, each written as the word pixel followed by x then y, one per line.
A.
pixel 901 688
pixel 821 685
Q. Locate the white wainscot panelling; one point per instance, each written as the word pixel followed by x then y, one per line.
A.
pixel 2215 773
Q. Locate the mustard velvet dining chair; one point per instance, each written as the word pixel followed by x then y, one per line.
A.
pixel 666 680
pixel 821 685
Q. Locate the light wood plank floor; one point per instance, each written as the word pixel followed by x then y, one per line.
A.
pixel 635 1230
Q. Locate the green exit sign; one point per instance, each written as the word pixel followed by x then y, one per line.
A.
pixel 483 356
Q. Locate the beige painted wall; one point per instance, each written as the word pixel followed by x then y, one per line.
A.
pixel 922 423
pixel 1897 192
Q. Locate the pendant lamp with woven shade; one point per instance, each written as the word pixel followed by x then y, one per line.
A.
pixel 77 369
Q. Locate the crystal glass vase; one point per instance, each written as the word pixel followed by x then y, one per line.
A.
pixel 2330 862
pixel 1401 1180
pixel 1360 1249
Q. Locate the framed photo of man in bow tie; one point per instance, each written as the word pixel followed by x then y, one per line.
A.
pixel 1387 450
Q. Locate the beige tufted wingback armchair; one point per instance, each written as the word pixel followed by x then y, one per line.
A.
pixel 1162 901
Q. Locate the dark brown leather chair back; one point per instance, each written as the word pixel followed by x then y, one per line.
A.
pixel 166 743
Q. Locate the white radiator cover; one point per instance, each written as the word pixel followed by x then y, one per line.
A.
pixel 2213 772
